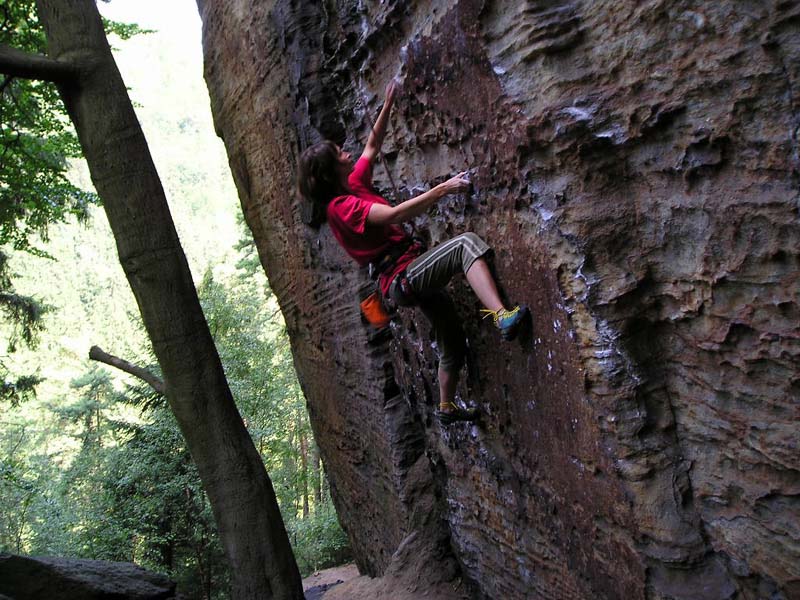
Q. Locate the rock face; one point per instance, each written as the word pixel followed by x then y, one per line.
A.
pixel 636 168
pixel 45 578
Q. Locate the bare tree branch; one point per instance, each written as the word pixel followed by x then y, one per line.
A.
pixel 18 63
pixel 95 353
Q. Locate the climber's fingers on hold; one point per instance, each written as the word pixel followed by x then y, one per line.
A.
pixel 461 181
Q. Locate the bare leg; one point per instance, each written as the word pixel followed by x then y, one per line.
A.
pixel 448 381
pixel 482 282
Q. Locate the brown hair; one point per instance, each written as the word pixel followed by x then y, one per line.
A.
pixel 318 178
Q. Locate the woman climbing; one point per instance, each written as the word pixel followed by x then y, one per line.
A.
pixel 367 227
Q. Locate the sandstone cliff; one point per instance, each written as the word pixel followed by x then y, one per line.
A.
pixel 636 169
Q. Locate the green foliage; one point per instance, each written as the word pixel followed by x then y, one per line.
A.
pixel 124 487
pixel 318 541
pixel 130 493
pixel 18 389
pixel 157 507
pixel 258 364
pixel 36 142
pixel 89 467
pixel 37 139
pixel 19 487
pixel 248 264
pixel 254 348
pixel 24 313
pixel 23 317
pixel 123 31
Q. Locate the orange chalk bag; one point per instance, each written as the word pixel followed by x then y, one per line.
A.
pixel 374 312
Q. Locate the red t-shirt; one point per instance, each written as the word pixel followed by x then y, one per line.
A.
pixel 347 217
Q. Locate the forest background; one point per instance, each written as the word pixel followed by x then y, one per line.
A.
pixel 92 464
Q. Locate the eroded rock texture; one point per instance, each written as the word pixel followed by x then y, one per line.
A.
pixel 636 170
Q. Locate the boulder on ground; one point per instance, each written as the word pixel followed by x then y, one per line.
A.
pixel 35 578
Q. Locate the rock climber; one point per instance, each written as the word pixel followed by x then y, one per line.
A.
pixel 368 228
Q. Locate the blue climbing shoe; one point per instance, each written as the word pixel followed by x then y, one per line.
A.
pixel 508 321
pixel 456 413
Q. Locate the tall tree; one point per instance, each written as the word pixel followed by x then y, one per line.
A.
pixel 239 490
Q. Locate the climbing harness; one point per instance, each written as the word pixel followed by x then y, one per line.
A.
pixel 386 261
pixel 400 291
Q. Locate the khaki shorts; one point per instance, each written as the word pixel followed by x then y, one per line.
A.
pixel 427 276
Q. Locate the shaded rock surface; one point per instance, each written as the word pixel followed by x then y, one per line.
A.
pixel 48 578
pixel 636 168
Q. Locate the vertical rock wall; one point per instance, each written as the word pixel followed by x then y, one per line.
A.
pixel 636 169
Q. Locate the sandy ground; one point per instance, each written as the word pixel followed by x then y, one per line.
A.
pixel 344 583
pixel 317 584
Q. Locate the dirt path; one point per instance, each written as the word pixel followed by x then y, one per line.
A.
pixel 344 583
pixel 320 582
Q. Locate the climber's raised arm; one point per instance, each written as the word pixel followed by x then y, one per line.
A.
pixel 381 214
pixel 375 140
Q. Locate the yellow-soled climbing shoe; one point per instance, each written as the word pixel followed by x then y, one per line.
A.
pixel 508 321
pixel 456 413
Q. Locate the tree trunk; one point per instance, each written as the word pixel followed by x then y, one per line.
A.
pixel 290 468
pixel 316 475
pixel 123 173
pixel 304 471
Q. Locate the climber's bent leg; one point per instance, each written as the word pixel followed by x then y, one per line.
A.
pixel 437 266
pixel 463 253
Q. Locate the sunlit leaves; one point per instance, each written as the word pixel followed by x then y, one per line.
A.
pixel 36 142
